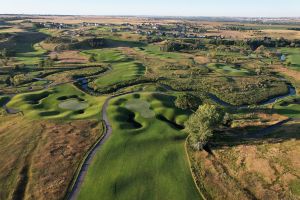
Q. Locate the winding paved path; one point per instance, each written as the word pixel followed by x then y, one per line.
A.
pixel 82 173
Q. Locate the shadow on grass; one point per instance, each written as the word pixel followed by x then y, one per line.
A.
pixel 256 135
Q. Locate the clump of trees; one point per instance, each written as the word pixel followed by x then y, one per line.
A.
pixel 187 101
pixel 172 46
pixel 48 62
pixel 202 124
pixel 92 58
pixel 4 57
pixel 85 44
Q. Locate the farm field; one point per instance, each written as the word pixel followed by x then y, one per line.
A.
pixel 149 108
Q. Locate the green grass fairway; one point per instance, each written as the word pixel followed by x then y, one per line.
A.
pixel 144 158
pixel 289 107
pixel 123 68
pixel 106 55
pixel 227 69
pixel 293 56
pixel 154 50
pixel 62 102
pixel 122 71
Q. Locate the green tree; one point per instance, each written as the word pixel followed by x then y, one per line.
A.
pixel 202 124
pixel 41 63
pixel 92 58
pixel 187 101
pixel 3 53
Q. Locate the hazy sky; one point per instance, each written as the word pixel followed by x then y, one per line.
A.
pixel 256 8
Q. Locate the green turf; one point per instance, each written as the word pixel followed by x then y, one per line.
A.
pixel 123 68
pixel 140 106
pixel 47 104
pixel 295 187
pixel 154 50
pixel 144 158
pixel 73 104
pixel 107 55
pixel 293 56
pixel 122 71
pixel 289 107
pixel 227 69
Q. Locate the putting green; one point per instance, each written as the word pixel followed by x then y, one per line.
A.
pixel 73 104
pixel 144 158
pixel 140 106
pixel 61 102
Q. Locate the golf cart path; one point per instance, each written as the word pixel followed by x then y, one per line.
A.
pixel 82 173
pixel 73 194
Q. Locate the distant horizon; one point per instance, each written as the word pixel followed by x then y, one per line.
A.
pixel 167 8
pixel 165 16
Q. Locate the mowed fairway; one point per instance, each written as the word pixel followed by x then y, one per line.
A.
pixel 289 107
pixel 61 102
pixel 123 67
pixel 145 157
pixel 293 56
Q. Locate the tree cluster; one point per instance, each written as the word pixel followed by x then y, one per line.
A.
pixel 202 124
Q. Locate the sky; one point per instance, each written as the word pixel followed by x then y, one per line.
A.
pixel 233 8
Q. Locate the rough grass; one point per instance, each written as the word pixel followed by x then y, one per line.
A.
pixel 41 157
pixel 46 104
pixel 271 162
pixel 227 69
pixel 144 158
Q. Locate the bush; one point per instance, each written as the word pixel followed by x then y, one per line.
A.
pixel 187 101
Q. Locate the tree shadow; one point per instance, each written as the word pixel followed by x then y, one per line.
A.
pixel 256 135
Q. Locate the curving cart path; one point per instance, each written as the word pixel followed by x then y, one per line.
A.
pixel 82 173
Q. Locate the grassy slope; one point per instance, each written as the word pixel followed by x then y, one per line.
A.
pixel 289 107
pixel 123 68
pixel 293 57
pixel 146 163
pixel 45 104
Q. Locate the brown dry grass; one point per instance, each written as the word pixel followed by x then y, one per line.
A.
pixel 288 34
pixel 262 170
pixel 41 156
pixel 70 57
pixel 292 74
pixel 201 59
